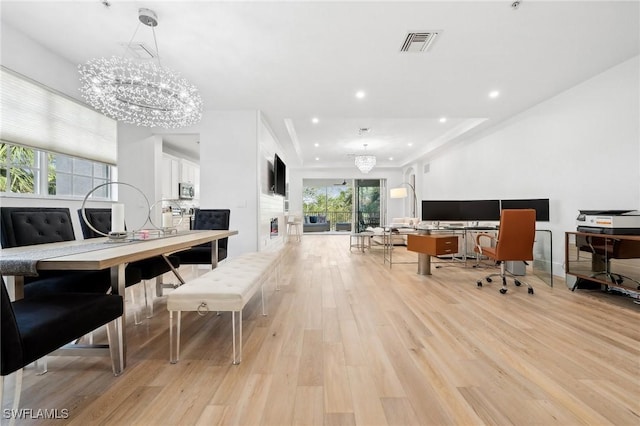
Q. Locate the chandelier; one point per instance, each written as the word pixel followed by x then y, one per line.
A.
pixel 365 162
pixel 142 93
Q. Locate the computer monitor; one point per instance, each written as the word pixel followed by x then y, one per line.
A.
pixel 540 205
pixel 476 210
pixel 441 210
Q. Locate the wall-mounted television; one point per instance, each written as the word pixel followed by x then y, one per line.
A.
pixel 540 205
pixel 279 176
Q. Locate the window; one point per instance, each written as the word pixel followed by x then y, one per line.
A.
pixel 25 170
pixel 330 203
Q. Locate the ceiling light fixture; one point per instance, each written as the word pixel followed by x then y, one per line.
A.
pixel 494 94
pixel 360 94
pixel 443 119
pixel 365 162
pixel 142 93
pixel 315 120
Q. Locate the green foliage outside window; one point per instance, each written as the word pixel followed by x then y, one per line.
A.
pixel 327 199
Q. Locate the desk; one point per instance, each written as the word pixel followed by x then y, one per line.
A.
pixel 611 260
pixel 115 256
pixel 431 245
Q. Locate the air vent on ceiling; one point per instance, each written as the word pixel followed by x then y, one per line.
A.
pixel 141 51
pixel 419 42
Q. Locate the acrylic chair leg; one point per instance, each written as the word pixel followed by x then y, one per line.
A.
pixel 148 300
pixel 116 345
pixel 16 396
pixel 41 364
pixel 132 292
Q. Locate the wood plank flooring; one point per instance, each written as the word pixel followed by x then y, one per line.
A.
pixel 350 341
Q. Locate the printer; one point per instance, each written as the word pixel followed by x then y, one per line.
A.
pixel 620 222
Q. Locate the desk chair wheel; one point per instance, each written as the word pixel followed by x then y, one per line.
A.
pixel 530 290
pixel 517 283
pixel 503 290
pixel 488 279
pixel 479 283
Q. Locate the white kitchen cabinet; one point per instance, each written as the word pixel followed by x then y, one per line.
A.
pixel 170 176
pixel 190 173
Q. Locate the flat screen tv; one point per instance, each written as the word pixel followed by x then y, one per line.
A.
pixel 279 176
pixel 540 205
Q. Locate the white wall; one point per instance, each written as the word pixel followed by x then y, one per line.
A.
pixel 580 149
pixel 271 206
pixel 229 172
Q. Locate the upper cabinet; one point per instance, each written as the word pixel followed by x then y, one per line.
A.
pixel 170 176
pixel 189 171
pixel 178 170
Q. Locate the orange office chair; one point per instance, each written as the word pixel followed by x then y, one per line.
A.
pixel 514 243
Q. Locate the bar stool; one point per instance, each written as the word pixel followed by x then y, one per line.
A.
pixel 293 226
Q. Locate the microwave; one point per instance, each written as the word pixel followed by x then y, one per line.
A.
pixel 186 191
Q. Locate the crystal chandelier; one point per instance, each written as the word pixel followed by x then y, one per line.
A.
pixel 365 162
pixel 142 93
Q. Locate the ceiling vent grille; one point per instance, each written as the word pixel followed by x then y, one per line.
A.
pixel 419 42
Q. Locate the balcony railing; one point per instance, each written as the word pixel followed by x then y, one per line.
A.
pixel 366 219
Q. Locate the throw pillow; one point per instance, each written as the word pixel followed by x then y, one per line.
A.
pixel 313 219
pixel 322 219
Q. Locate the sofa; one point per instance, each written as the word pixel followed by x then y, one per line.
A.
pixel 400 227
pixel 316 224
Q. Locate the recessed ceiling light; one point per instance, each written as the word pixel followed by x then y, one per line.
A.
pixel 317 158
pixel 315 120
pixel 316 145
pixel 360 94
pixel 390 158
pixel 410 144
pixel 494 94
pixel 443 119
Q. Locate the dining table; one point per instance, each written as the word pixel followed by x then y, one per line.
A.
pixel 99 254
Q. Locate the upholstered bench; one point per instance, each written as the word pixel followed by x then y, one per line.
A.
pixel 229 287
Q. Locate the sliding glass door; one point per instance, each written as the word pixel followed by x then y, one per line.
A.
pixel 369 205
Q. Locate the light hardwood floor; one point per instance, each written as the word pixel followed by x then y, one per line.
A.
pixel 349 341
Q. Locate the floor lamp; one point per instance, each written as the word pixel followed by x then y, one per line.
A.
pixel 402 193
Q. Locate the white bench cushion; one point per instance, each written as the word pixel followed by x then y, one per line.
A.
pixel 228 287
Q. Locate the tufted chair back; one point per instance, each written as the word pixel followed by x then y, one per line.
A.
pixel 22 226
pixel 213 219
pixel 99 219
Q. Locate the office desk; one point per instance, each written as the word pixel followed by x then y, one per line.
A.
pixel 111 255
pixel 611 260
pixel 431 245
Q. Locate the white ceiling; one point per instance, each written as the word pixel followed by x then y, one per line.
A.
pixel 295 60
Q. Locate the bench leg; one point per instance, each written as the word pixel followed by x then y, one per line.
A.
pixel 236 360
pixel 174 348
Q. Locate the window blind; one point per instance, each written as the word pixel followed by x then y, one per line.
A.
pixel 35 116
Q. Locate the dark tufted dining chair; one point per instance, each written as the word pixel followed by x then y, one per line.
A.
pixel 34 327
pixel 25 226
pixel 207 219
pixel 152 268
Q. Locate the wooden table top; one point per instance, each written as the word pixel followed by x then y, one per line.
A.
pixel 114 254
